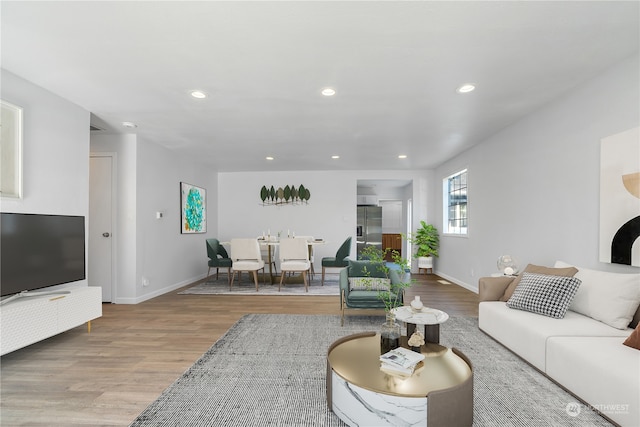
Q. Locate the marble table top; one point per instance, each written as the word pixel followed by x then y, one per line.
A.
pixel 426 316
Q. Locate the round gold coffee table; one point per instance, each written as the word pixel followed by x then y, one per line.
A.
pixel 439 393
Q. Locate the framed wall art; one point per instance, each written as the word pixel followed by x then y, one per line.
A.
pixel 620 198
pixel 11 150
pixel 288 195
pixel 193 209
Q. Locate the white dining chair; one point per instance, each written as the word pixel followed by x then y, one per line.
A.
pixel 294 257
pixel 309 240
pixel 246 256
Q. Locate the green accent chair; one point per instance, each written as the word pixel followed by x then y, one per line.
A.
pixel 218 258
pixel 364 299
pixel 340 260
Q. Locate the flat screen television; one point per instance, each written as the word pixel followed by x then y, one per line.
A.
pixel 37 251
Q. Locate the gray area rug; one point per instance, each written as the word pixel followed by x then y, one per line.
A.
pixel 269 370
pixel 248 287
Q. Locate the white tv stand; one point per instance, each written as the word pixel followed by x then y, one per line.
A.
pixel 25 294
pixel 31 317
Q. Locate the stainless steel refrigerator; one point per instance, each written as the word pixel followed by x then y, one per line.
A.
pixel 369 227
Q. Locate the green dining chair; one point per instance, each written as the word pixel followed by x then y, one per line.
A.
pixel 218 258
pixel 340 260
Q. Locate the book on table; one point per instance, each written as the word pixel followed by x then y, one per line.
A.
pixel 400 372
pixel 400 360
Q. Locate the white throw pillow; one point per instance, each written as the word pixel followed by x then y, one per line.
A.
pixel 611 298
pixel 369 284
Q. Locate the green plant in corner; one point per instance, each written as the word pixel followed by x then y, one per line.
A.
pixel 426 240
pixel 392 298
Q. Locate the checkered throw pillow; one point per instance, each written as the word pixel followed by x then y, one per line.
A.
pixel 369 284
pixel 544 294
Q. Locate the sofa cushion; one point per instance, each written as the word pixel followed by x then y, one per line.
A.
pixel 544 294
pixel 369 284
pixel 599 370
pixel 531 268
pixel 364 299
pixel 493 288
pixel 611 298
pixel 526 333
pixel 633 340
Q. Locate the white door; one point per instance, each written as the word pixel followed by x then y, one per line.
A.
pixel 100 225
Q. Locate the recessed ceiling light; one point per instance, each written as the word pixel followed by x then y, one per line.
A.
pixel 335 157
pixel 466 88
pixel 402 156
pixel 327 91
pixel 198 94
pixel 269 158
pixel 129 125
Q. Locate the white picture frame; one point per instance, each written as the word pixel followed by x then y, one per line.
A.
pixel 10 150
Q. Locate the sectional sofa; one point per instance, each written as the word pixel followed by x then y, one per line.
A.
pixel 578 333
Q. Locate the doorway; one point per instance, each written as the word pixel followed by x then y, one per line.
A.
pixel 102 224
pixel 392 227
pixel 394 197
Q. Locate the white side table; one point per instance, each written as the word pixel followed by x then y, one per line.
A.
pixel 431 318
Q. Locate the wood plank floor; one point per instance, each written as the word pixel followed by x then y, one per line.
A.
pixel 134 352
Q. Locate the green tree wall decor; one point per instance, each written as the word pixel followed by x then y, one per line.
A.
pixel 288 195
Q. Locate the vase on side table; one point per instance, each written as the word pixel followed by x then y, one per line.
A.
pixel 389 334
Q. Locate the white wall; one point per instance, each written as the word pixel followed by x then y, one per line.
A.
pixel 534 187
pixel 330 213
pixel 55 152
pixel 167 258
pixel 149 179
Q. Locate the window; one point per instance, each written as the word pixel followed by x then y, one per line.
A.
pixel 454 190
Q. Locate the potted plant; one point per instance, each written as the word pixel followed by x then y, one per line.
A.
pixel 393 297
pixel 377 256
pixel 427 243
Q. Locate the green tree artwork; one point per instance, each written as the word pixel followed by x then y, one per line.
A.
pixel 290 194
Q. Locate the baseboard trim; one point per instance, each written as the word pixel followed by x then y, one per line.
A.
pixel 458 282
pixel 157 293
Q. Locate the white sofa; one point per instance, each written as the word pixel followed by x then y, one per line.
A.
pixel 584 355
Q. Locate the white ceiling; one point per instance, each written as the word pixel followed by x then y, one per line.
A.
pixel 395 67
